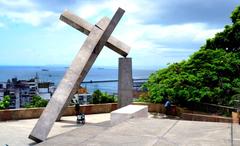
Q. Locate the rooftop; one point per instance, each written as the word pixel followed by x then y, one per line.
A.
pixel 154 130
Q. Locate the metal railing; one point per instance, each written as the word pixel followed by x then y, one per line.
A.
pixel 103 81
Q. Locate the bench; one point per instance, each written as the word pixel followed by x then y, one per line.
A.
pixel 128 112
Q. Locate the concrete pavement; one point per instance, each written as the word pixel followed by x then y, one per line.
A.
pixel 15 133
pixel 97 131
pixel 151 132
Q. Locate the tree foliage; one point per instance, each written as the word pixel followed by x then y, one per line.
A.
pixel 236 15
pixel 37 101
pixel 209 75
pixel 5 102
pixel 100 97
pixel 229 38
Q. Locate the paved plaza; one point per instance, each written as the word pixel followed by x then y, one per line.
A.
pixel 98 131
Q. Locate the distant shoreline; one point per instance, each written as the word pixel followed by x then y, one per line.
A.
pixel 96 67
pixel 55 74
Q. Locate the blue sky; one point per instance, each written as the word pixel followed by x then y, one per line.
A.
pixel 158 31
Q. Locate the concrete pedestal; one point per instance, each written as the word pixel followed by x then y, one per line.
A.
pixel 125 82
pixel 128 112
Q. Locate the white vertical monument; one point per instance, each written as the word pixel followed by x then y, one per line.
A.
pixel 98 36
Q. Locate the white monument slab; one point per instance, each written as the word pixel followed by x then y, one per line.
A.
pixel 128 112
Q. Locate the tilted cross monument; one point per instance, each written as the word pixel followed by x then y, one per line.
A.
pixel 98 36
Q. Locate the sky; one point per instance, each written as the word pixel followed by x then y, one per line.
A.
pixel 158 31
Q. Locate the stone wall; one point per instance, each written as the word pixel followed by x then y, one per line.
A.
pixel 29 113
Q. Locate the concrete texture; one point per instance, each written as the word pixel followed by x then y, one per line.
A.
pixel 202 117
pixel 85 27
pixel 97 131
pixel 128 112
pixel 151 132
pixel 125 82
pixel 74 76
pixel 15 133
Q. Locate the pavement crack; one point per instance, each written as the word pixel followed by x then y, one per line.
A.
pixel 165 133
pixel 174 124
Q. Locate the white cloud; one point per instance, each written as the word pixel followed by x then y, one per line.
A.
pixel 163 44
pixel 1 24
pixel 149 42
pixel 141 36
pixel 134 31
pixel 17 3
pixel 34 18
pixel 56 26
pixel 88 11
pixel 134 8
pixel 184 33
pixel 25 11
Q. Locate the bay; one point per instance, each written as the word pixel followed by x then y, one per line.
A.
pixel 56 73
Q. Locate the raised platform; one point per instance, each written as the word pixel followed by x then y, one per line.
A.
pixel 128 112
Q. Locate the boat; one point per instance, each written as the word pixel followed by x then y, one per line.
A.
pixel 45 70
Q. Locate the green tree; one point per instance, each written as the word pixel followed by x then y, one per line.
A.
pixel 5 102
pixel 209 75
pixel 37 101
pixel 99 97
pixel 236 15
pixel 229 38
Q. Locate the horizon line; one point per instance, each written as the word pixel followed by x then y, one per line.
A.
pixel 66 66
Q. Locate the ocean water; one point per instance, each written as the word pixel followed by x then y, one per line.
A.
pixel 56 73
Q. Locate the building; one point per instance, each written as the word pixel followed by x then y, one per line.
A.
pixel 22 91
pixel 46 89
pixel 82 96
pixel 83 99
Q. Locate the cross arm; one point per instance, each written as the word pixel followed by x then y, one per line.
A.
pixel 85 27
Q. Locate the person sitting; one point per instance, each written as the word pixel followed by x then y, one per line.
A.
pixel 167 106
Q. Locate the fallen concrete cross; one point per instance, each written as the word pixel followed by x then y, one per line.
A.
pixel 98 36
pixel 85 27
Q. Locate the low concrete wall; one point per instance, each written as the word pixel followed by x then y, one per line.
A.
pixel 236 117
pixel 159 108
pixel 208 118
pixel 185 113
pixel 29 113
